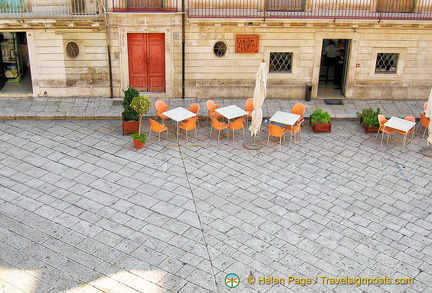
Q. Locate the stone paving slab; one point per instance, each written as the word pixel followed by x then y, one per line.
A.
pixel 107 108
pixel 82 211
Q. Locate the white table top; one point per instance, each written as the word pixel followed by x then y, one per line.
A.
pixel 285 118
pixel 179 114
pixel 399 124
pixel 231 112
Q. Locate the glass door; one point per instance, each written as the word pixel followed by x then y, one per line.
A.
pixel 11 56
pixel 2 76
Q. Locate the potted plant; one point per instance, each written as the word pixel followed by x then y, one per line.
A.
pixel 140 105
pixel 139 140
pixel 130 116
pixel 369 119
pixel 320 121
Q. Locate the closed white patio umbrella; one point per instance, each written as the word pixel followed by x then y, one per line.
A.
pixel 259 96
pixel 428 113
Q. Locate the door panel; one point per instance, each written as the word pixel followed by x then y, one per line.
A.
pixel 345 65
pixel 156 57
pixel 395 5
pixel 145 4
pixel 2 75
pixel 137 63
pixel 285 5
pixel 147 62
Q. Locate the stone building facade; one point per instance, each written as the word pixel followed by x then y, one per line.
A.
pixel 60 48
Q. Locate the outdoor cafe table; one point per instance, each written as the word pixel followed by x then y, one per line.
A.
pixel 285 118
pixel 400 124
pixel 231 112
pixel 179 114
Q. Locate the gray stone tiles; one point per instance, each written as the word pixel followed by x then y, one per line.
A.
pixel 82 211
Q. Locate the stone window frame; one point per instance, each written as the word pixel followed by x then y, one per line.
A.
pixel 214 47
pixel 295 61
pixel 399 68
pixel 291 54
pixel 67 50
pixel 379 65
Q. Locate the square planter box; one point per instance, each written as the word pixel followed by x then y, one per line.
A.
pixel 326 127
pixel 370 129
pixel 130 127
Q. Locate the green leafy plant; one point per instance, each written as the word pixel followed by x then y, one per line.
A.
pixel 141 105
pixel 128 113
pixel 369 117
pixel 141 136
pixel 320 117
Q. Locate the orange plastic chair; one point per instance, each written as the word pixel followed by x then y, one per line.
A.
pixel 189 125
pixel 157 127
pixel 384 129
pixel 294 130
pixel 237 125
pixel 276 131
pixel 405 133
pixel 217 125
pixel 195 107
pixel 160 108
pixel 424 121
pixel 211 106
pixel 299 109
pixel 249 107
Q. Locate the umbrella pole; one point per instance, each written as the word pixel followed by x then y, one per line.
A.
pixel 427 151
pixel 252 144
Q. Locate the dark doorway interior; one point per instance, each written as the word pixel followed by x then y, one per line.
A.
pixel 15 76
pixel 333 68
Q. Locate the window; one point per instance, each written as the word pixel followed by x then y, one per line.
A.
pixel 72 49
pixel 395 5
pixel 281 62
pixel 220 49
pixel 285 5
pixel 386 63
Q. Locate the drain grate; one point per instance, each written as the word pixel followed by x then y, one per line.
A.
pixel 117 103
pixel 333 102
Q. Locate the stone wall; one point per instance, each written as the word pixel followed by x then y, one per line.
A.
pixel 233 75
pixel 413 78
pixel 169 24
pixel 56 74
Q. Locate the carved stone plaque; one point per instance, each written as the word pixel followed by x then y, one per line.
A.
pixel 247 43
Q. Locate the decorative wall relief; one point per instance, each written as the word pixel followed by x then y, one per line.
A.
pixel 247 43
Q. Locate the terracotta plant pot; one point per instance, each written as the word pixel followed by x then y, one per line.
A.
pixel 326 127
pixel 130 127
pixel 138 144
pixel 370 129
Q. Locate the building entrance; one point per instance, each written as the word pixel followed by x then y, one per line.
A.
pixel 333 68
pixel 15 77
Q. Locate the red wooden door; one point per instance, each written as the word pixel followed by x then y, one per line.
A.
pixel 147 62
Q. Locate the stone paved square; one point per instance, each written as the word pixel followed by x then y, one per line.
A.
pixel 82 211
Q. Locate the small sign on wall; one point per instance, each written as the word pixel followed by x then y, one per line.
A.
pixel 247 43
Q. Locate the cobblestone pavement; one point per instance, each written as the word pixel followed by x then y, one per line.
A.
pixel 82 211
